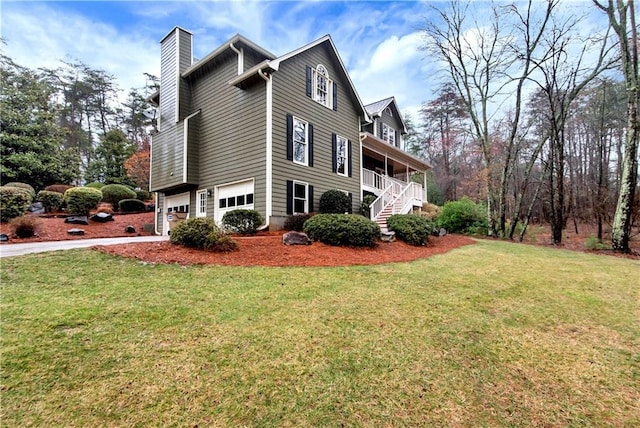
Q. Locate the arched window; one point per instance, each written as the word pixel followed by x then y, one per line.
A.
pixel 323 87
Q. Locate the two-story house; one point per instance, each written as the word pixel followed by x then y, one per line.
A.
pixel 243 128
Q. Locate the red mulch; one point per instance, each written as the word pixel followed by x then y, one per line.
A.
pixel 268 250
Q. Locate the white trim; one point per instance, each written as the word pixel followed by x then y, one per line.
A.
pixel 306 197
pixel 185 130
pixel 328 103
pixel 165 209
pixel 269 148
pixel 216 200
pixel 346 156
pixel 156 213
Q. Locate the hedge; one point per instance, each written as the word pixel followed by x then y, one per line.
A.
pixel 81 200
pixel 342 229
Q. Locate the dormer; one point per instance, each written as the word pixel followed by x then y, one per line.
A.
pixel 387 123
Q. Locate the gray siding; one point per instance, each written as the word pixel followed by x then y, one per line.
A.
pixel 289 96
pixel 184 48
pixel 232 131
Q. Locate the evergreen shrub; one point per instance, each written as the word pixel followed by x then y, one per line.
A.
pixel 365 209
pixel 81 200
pixel 335 202
pixel 244 222
pixel 203 234
pixel 412 229
pixel 342 229
pixel 52 201
pixel 296 221
pixel 95 185
pixel 463 216
pixel 114 193
pixel 26 186
pixel 131 205
pixel 14 201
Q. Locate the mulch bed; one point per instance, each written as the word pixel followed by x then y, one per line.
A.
pixel 268 250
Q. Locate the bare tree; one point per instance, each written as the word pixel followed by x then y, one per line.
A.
pixel 623 22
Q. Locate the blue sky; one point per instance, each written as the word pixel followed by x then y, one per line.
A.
pixel 379 41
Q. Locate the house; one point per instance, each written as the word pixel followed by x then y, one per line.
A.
pixel 244 128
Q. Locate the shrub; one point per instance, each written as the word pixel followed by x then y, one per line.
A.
pixel 114 193
pixel 52 201
pixel 430 211
pixel 593 243
pixel 25 226
pixel 201 233
pixel 14 201
pixel 335 202
pixel 296 221
pixel 412 229
pixel 463 216
pixel 81 200
pixel 342 229
pixel 95 185
pixel 245 222
pixel 26 186
pixel 367 200
pixel 143 195
pixel 131 205
pixel 60 188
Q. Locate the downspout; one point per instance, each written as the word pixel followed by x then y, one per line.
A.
pixel 269 149
pixel 240 53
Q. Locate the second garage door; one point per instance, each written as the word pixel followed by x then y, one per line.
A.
pixel 233 196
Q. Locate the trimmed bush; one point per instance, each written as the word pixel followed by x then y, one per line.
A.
pixel 412 229
pixel 143 195
pixel 25 226
pixel 244 222
pixel 60 188
pixel 342 229
pixel 114 193
pixel 131 205
pixel 335 202
pixel 463 216
pixel 26 186
pixel 296 221
pixel 14 201
pixel 430 211
pixel 367 200
pixel 95 185
pixel 203 234
pixel 81 200
pixel 52 201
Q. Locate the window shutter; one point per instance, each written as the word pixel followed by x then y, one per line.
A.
pixel 350 202
pixel 350 158
pixel 309 81
pixel 335 96
pixel 289 137
pixel 334 153
pixel 289 197
pixel 310 196
pixel 396 139
pixel 310 136
pixel 380 128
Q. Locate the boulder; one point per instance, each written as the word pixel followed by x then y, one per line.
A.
pixel 4 237
pixel 36 208
pixel 389 236
pixel 101 217
pixel 77 219
pixel 443 232
pixel 129 229
pixel 76 232
pixel 295 238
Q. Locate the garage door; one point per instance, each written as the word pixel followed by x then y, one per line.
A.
pixel 174 204
pixel 233 196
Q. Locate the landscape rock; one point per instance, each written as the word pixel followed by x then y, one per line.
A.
pixel 101 217
pixel 443 232
pixel 76 232
pixel 36 208
pixel 77 219
pixel 4 237
pixel 295 238
pixel 389 236
pixel 129 229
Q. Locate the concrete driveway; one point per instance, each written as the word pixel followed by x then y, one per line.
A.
pixel 11 250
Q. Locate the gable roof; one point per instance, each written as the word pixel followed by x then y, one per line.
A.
pixel 375 110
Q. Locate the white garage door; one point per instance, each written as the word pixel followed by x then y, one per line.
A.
pixel 174 204
pixel 233 196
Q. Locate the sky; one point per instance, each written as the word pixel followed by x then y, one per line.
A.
pixel 380 42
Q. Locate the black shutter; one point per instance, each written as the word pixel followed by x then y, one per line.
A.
pixel 334 153
pixel 380 128
pixel 309 83
pixel 350 202
pixel 310 196
pixel 396 139
pixel 335 96
pixel 350 158
pixel 310 136
pixel 289 197
pixel 289 137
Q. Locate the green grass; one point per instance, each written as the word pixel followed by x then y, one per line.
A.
pixel 493 334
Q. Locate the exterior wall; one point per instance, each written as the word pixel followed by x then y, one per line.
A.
pixel 289 97
pixel 390 120
pixel 232 132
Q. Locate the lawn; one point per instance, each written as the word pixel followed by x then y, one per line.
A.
pixel 493 334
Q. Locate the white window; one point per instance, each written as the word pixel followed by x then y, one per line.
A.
pixel 388 134
pixel 201 203
pixel 323 86
pixel 342 156
pixel 300 141
pixel 300 197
